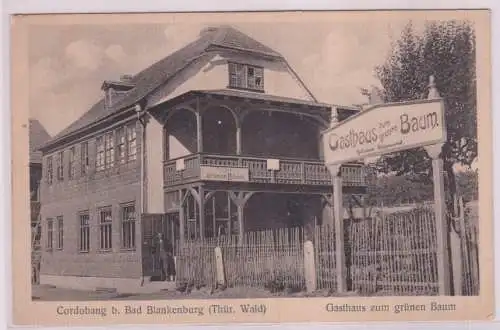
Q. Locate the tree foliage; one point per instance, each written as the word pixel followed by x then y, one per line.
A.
pixel 446 50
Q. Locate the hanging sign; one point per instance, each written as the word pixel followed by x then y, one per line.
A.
pixel 215 173
pixel 385 128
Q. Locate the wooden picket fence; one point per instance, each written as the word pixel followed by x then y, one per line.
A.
pixel 393 254
pixel 270 258
pixel 388 254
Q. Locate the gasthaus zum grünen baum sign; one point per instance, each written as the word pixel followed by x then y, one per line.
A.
pixel 385 128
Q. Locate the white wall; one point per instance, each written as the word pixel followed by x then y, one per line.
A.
pixel 211 73
pixel 154 167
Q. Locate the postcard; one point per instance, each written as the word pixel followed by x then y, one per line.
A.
pixel 251 167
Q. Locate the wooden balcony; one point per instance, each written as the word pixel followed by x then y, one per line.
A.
pixel 211 167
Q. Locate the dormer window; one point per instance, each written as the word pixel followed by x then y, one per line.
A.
pixel 244 76
pixel 113 90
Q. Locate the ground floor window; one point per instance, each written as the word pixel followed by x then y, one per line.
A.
pixel 105 228
pixel 50 234
pixel 60 233
pixel 128 226
pixel 84 240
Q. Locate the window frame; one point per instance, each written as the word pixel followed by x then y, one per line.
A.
pixel 105 229
pixel 60 232
pixel 121 145
pixel 128 227
pixel 84 158
pixel 100 160
pixel 50 170
pixel 49 243
pixel 71 163
pixel 131 141
pixel 84 232
pixel 109 149
pixel 240 78
pixel 60 166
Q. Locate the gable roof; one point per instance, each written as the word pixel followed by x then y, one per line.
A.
pixel 146 81
pixel 38 136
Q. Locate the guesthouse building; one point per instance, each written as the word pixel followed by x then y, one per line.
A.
pixel 220 137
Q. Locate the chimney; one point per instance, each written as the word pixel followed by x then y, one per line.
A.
pixel 208 31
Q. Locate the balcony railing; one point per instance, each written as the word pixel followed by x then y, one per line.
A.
pixel 201 167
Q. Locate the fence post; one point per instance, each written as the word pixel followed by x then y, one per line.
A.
pixel 219 267
pixel 456 251
pixel 442 228
pixel 309 266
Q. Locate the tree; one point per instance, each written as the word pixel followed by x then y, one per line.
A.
pixel 446 50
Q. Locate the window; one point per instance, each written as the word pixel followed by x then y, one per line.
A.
pixel 60 167
pixel 100 164
pixel 84 157
pixel 71 163
pixel 60 233
pixel 50 170
pixel 120 146
pixel 50 233
pixel 131 142
pixel 84 238
pixel 128 227
pixel 246 76
pixel 109 146
pixel 106 226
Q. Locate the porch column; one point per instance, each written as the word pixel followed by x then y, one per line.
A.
pixel 181 216
pixel 201 209
pixel 238 138
pixel 199 131
pixel 240 199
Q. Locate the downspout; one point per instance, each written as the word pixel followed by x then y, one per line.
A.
pixel 140 117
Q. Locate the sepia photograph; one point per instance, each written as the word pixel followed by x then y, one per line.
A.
pixel 261 158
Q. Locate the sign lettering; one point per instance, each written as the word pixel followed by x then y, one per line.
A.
pixel 384 129
pixel 213 173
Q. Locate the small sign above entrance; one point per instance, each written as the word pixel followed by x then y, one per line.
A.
pixel 234 174
pixel 385 128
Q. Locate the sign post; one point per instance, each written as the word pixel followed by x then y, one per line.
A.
pixel 385 128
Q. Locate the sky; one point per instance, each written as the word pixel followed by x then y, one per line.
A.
pixel 68 63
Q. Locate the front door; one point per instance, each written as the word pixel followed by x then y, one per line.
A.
pixel 160 231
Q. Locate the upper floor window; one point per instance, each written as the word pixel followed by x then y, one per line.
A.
pixel 246 76
pixel 99 161
pixel 131 142
pixel 50 170
pixel 71 163
pixel 60 166
pixel 109 145
pixel 84 157
pixel 120 146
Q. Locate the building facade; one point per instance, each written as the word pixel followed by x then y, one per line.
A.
pixel 37 137
pixel 221 137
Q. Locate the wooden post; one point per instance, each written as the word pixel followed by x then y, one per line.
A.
pixel 181 217
pixel 456 250
pixel 338 211
pixel 201 209
pixel 219 267
pixel 238 139
pixel 443 259
pixel 199 131
pixel 309 266
pixel 241 225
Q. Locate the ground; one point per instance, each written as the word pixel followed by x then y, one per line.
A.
pixel 50 293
